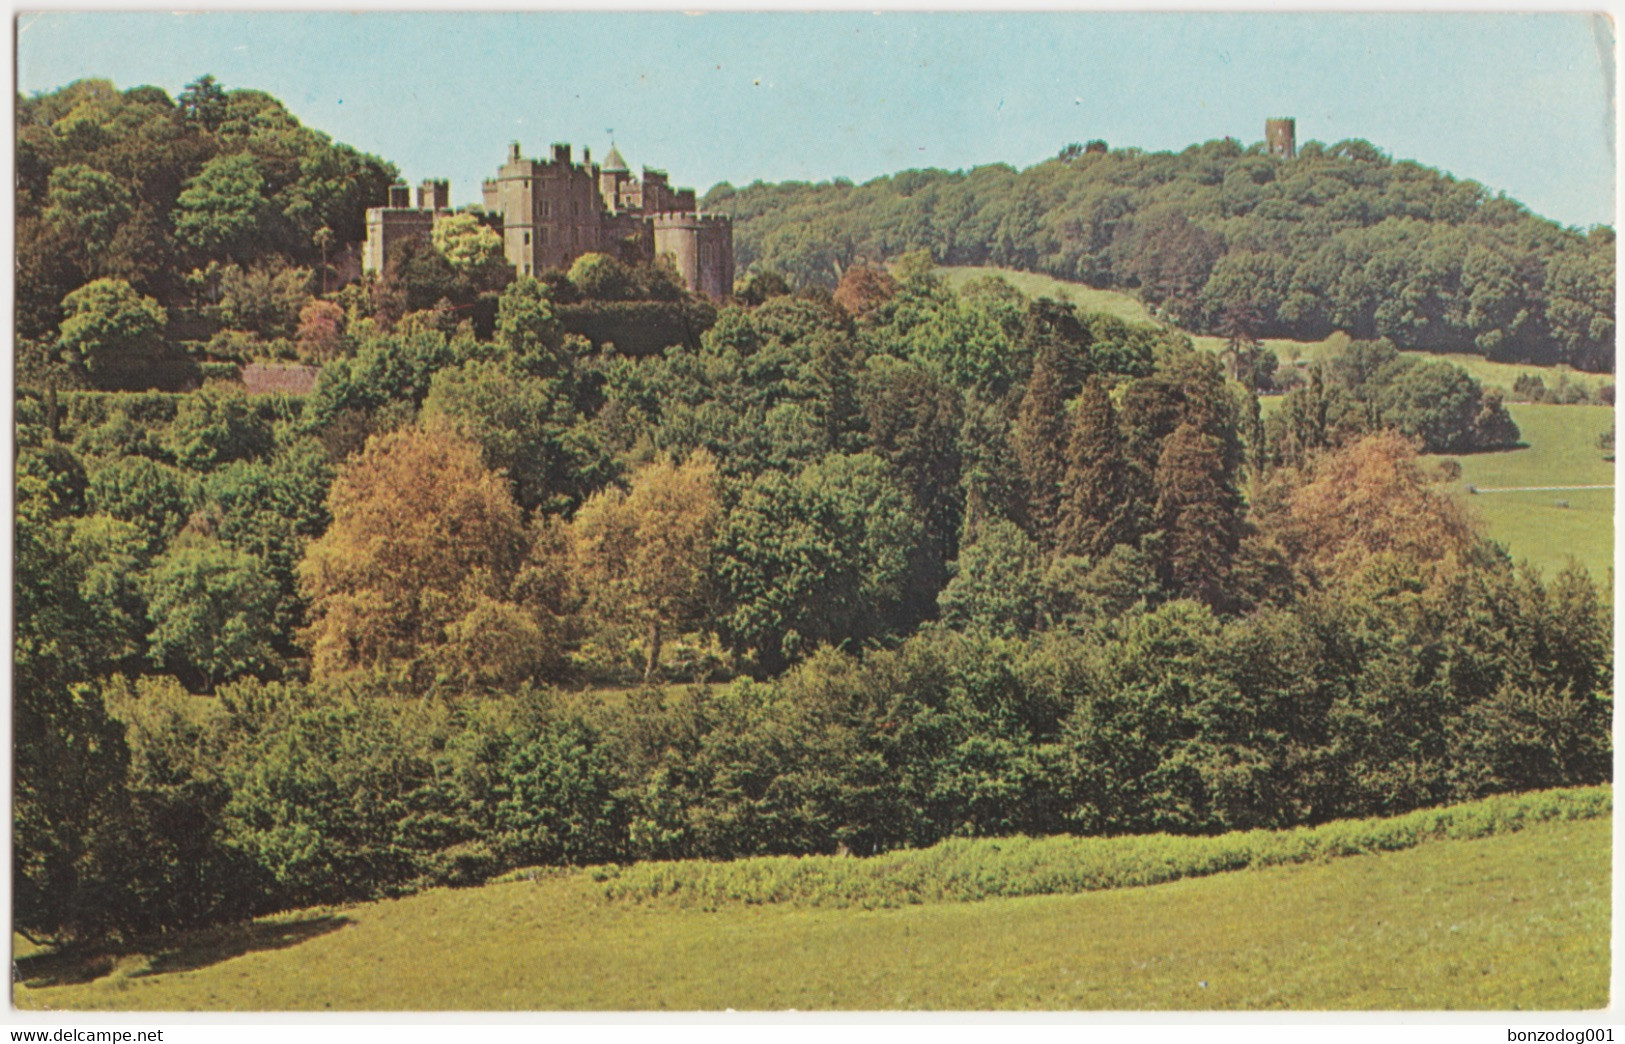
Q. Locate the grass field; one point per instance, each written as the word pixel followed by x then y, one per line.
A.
pixel 1514 921
pixel 1561 451
pixel 1504 375
pixel 1033 284
pixel 1128 307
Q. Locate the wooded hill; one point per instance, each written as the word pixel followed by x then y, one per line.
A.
pixel 210 196
pixel 1220 238
pixel 856 571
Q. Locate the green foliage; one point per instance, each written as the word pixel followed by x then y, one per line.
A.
pixel 553 800
pixel 819 558
pixel 156 497
pixel 528 327
pixel 113 333
pixel 88 205
pixel 216 425
pixel 996 583
pixel 212 610
pixel 969 870
pixel 223 211
pixel 1339 238
pixel 265 299
pixel 133 186
pixel 525 426
pixel 472 249
pixel 600 277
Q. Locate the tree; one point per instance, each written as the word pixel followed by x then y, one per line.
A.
pixel 1039 441
pixel 215 425
pixel 390 575
pixel 1096 510
pixel 113 333
pixel 1371 498
pixel 1434 402
pixel 87 205
pixel 645 557
pixel 157 498
pixel 870 504
pixel 600 277
pixel 321 330
pixel 1199 513
pixel 223 211
pixel 212 609
pixel 70 807
pixel 914 419
pixel 265 299
pixel 822 557
pixel 996 583
pixel 525 426
pixel 864 288
pixel 474 251
pixel 529 328
pixel 203 102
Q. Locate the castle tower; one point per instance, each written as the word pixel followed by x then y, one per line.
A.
pixel 399 221
pixel 1281 137
pixel 702 245
pixel 550 210
pixel 614 181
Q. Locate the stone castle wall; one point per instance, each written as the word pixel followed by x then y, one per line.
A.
pixel 553 211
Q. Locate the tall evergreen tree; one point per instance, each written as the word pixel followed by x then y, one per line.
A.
pixel 1039 441
pixel 1097 510
pixel 1199 513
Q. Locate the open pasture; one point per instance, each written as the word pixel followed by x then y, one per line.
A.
pixel 1518 920
pixel 1542 524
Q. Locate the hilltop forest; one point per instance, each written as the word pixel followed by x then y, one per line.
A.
pixel 844 570
pixel 1221 237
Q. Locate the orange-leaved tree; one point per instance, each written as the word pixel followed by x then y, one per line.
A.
pixel 1372 498
pixel 413 578
pixel 644 557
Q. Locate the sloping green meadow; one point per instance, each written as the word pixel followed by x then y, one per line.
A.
pixel 965 870
pixel 1513 920
pixel 1547 526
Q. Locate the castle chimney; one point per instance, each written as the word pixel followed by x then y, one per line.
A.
pixel 513 152
pixel 400 196
pixel 586 155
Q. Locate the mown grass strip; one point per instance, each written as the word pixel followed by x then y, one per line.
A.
pixel 965 870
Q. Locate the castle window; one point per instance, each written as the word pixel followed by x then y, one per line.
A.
pixel 527 268
pixel 527 239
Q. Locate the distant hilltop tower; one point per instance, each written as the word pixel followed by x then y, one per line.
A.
pixel 1281 137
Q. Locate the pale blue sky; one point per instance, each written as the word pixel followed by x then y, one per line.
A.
pixel 1521 103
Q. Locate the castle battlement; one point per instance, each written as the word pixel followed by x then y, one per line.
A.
pixel 553 211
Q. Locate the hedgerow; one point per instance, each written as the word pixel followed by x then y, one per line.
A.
pixel 963 870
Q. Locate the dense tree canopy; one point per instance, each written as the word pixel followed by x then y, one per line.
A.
pixel 937 562
pixel 1340 238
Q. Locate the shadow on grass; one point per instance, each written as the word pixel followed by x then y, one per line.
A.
pixel 178 953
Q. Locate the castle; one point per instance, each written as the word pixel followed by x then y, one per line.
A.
pixel 551 212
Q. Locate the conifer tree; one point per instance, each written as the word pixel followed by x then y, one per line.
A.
pixel 1199 513
pixel 1039 441
pixel 1097 510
